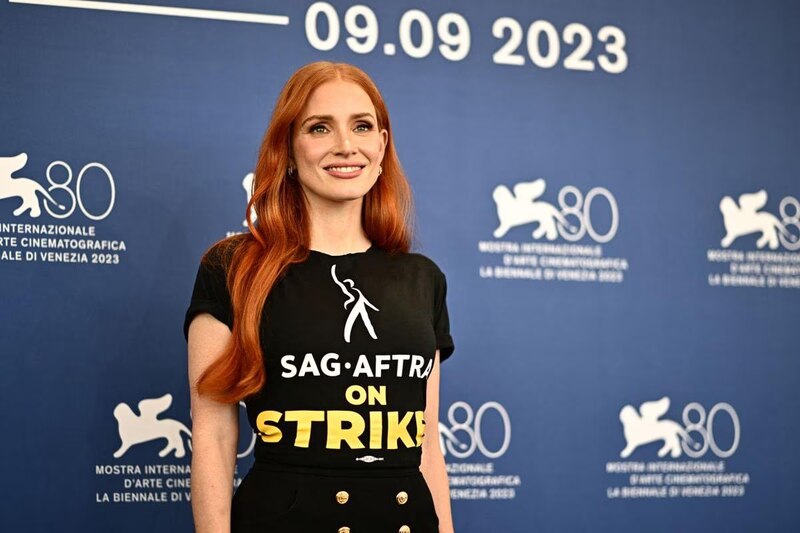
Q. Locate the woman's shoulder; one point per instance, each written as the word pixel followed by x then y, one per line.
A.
pixel 220 253
pixel 420 261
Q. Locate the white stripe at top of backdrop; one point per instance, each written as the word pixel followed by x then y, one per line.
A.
pixel 236 16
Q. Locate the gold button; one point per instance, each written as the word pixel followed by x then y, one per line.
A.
pixel 402 497
pixel 345 529
pixel 342 496
pixel 404 529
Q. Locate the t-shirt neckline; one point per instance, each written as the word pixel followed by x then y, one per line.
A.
pixel 350 254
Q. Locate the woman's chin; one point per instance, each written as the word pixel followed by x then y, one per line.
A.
pixel 343 197
pixel 342 192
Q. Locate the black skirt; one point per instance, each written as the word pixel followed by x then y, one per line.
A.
pixel 275 499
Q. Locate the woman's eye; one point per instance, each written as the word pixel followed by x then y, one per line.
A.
pixel 321 128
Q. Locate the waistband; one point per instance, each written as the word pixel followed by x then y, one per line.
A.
pixel 367 471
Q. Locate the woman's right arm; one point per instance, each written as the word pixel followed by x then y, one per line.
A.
pixel 215 432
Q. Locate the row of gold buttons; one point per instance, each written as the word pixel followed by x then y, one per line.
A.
pixel 402 497
pixel 403 529
pixel 342 496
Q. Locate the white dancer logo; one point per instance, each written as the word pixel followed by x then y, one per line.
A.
pixel 359 307
pixel 23 188
pixel 744 219
pixel 648 428
pixel 521 208
pixel 135 429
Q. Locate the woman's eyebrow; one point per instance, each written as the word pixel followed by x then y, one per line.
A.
pixel 330 117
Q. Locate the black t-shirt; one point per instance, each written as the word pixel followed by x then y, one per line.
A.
pixel 348 344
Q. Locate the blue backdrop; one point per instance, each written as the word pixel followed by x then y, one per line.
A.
pixel 611 189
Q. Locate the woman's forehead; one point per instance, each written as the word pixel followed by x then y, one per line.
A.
pixel 339 99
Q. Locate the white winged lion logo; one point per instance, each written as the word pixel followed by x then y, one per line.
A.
pixel 646 427
pixel 522 207
pixel 745 218
pixel 146 426
pixel 23 188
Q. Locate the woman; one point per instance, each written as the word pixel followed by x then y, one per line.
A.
pixel 328 328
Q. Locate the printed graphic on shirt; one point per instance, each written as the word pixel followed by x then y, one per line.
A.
pixel 349 429
pixel 382 427
pixel 340 429
pixel 359 309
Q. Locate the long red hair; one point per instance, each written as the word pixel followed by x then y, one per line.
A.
pixel 280 236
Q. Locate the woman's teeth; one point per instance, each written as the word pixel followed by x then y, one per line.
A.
pixel 344 169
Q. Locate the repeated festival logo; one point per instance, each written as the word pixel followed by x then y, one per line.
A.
pixel 151 462
pixel 474 442
pixel 664 458
pixel 758 249
pixel 60 223
pixel 537 240
pixel 146 426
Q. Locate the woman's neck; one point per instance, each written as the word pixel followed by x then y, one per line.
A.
pixel 336 228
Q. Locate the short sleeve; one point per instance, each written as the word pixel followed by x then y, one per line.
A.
pixel 441 318
pixel 210 295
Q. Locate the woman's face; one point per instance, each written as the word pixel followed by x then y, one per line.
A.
pixel 337 146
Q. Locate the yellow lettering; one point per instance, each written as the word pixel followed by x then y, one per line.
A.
pixel 304 421
pixel 269 433
pixel 377 395
pixel 347 426
pixel 375 430
pixel 337 433
pixel 398 430
pixel 420 417
pixel 355 394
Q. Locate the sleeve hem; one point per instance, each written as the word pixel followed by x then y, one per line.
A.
pixel 445 347
pixel 205 307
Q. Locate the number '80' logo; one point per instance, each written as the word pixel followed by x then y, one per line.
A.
pixel 704 427
pixel 573 205
pixel 76 197
pixel 465 433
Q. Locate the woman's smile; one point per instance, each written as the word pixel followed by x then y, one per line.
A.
pixel 343 171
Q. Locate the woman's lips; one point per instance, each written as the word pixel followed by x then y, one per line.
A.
pixel 344 172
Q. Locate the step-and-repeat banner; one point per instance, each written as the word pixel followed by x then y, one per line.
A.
pixel 610 187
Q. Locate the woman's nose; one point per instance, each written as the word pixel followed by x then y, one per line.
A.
pixel 343 143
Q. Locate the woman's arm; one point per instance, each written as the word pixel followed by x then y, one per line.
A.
pixel 215 432
pixel 432 467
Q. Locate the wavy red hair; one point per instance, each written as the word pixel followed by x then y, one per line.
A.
pixel 281 234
